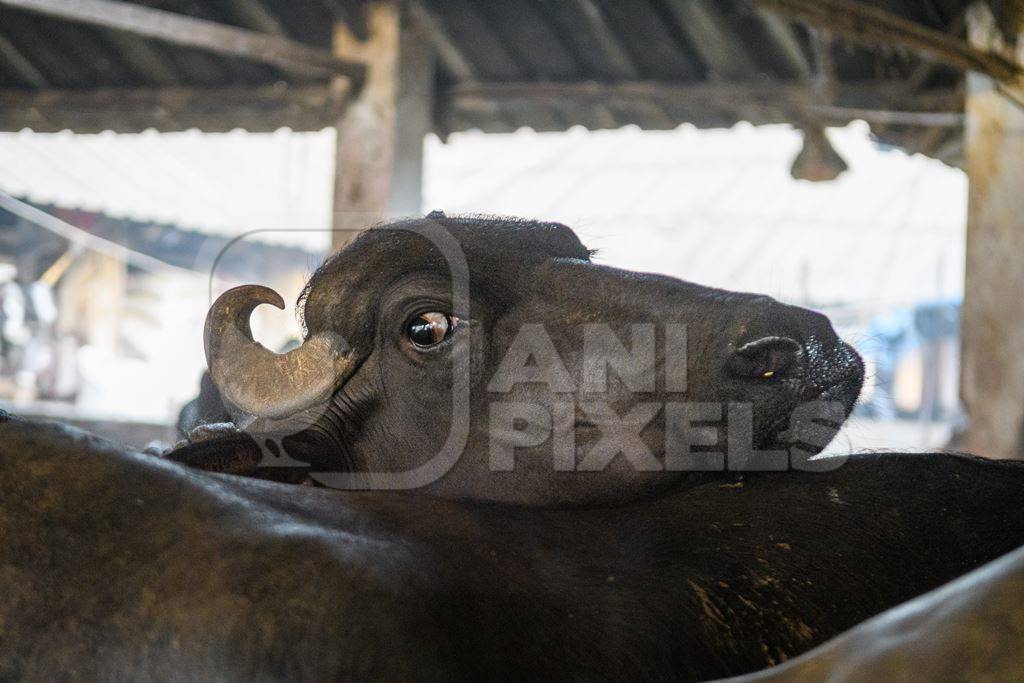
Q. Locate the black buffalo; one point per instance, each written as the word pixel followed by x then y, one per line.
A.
pixel 121 565
pixel 116 564
pixel 361 394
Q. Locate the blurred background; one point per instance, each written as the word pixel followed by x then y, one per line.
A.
pixel 157 153
pixel 879 249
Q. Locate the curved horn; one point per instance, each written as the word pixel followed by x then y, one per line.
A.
pixel 259 381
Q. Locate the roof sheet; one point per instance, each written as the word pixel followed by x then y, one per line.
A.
pixel 530 41
pixel 275 185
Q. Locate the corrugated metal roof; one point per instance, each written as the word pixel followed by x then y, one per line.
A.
pixel 672 42
pixel 279 184
pixel 535 40
pixel 78 57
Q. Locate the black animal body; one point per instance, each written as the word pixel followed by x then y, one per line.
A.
pixel 116 564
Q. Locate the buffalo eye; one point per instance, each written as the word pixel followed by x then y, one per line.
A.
pixel 429 329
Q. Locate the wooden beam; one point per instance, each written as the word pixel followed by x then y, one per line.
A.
pixel 313 107
pixel 787 47
pixel 759 90
pixel 887 117
pixel 588 27
pixel 261 108
pixel 992 365
pixel 352 14
pixel 414 119
pixel 704 26
pixel 20 66
pixel 144 59
pixel 757 102
pixel 935 141
pixel 869 24
pixel 450 55
pixel 823 73
pixel 256 16
pixel 195 33
pixel 1011 17
pixel 366 133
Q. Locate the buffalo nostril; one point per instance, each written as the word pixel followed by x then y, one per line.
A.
pixel 766 358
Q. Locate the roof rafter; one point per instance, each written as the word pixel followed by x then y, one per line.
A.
pixel 781 35
pixel 599 36
pixel 144 58
pixel 254 15
pixel 865 23
pixel 20 64
pixel 758 101
pixel 705 27
pixel 255 108
pixel 453 58
pixel 196 33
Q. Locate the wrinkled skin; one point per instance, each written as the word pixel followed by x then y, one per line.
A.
pixel 394 413
pixel 119 565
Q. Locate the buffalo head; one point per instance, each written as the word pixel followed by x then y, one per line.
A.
pixel 582 383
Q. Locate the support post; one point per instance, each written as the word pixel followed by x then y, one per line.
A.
pixel 992 366
pixel 366 133
pixel 414 120
pixel 181 29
